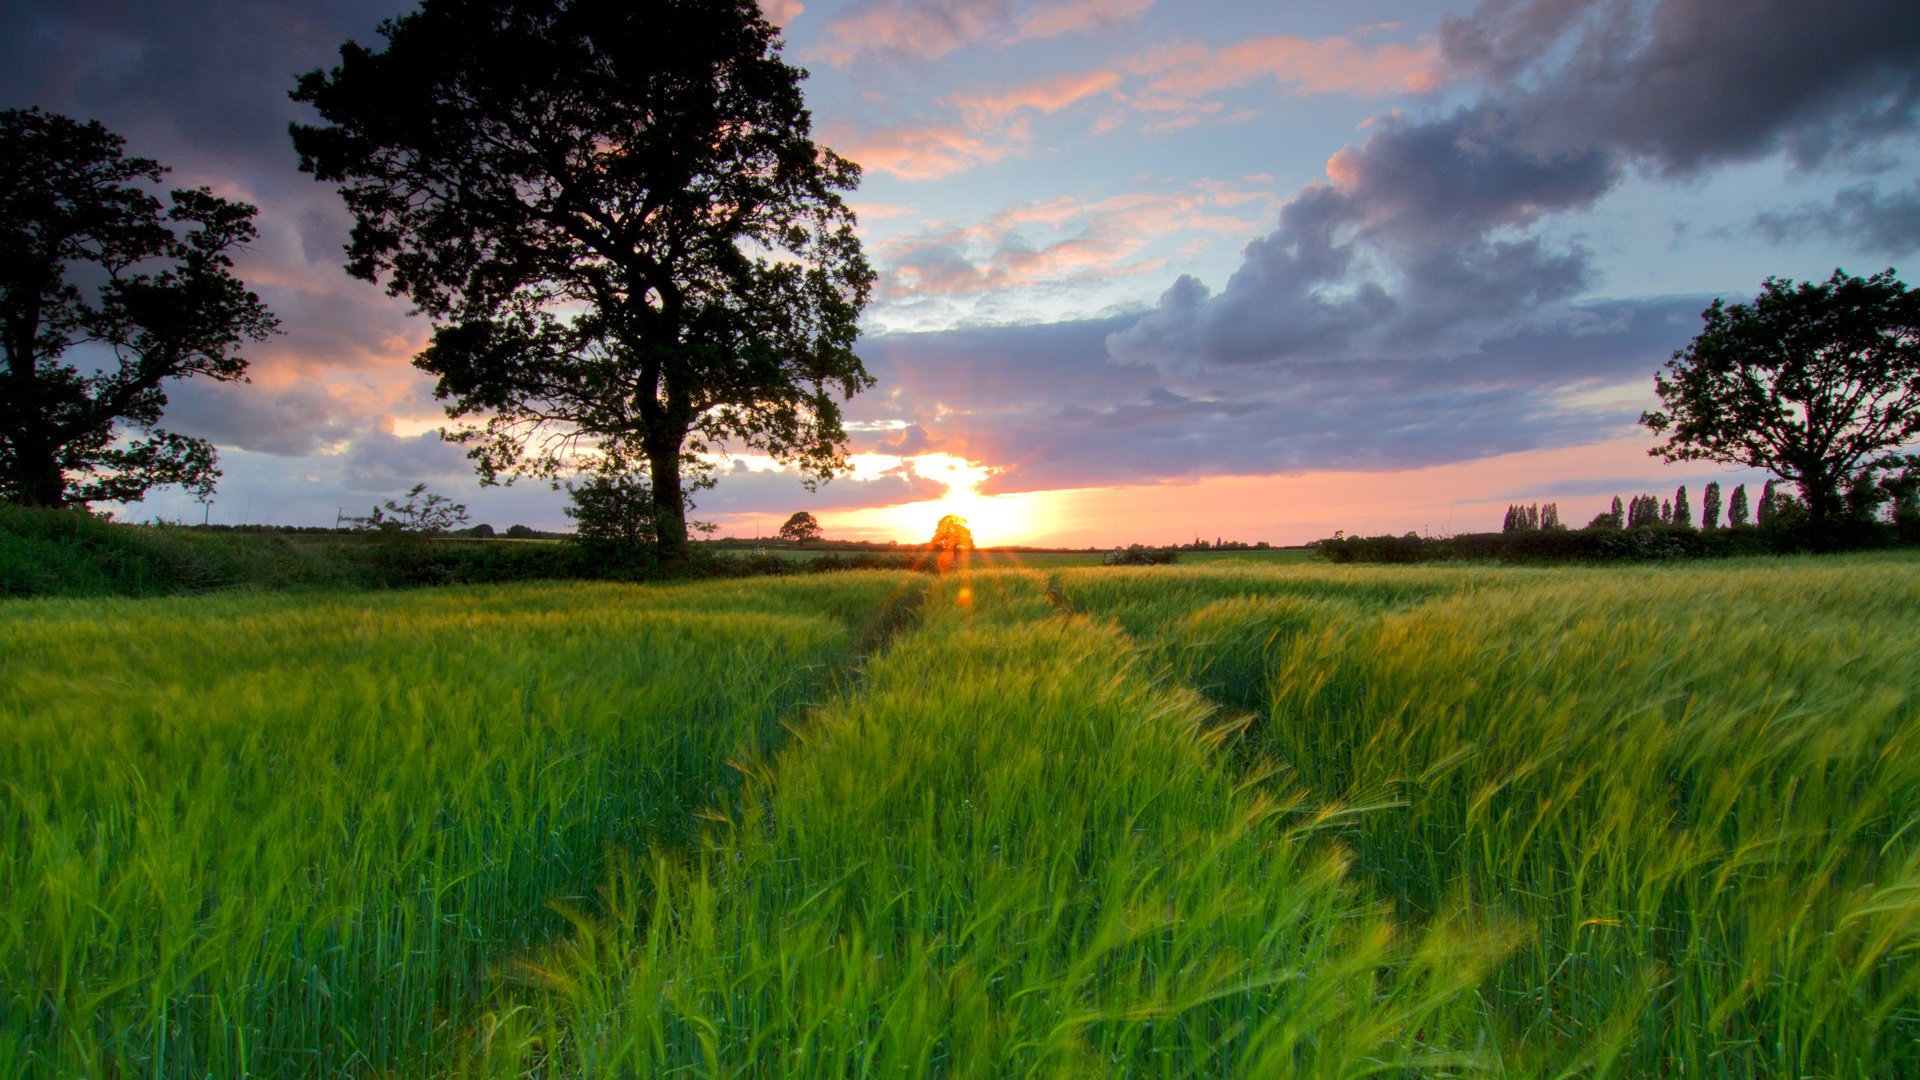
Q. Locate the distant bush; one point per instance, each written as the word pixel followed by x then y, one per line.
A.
pixel 1139 555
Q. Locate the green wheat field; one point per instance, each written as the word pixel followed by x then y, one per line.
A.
pixel 1230 819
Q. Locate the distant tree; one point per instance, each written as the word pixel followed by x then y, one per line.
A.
pixel 520 532
pixel 617 217
pixel 951 539
pixel 801 528
pixel 1682 516
pixel 90 259
pixel 1768 504
pixel 1511 523
pixel 1617 515
pixel 1550 516
pixel 1710 506
pixel 1810 382
pixel 1666 511
pixel 1737 507
pixel 952 534
pixel 423 514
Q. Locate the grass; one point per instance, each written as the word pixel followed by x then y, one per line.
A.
pixel 1238 817
pixel 1697 789
pixel 257 835
pixel 986 863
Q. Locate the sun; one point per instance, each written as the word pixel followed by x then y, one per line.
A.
pixel 993 519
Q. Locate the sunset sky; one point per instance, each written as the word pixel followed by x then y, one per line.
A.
pixel 1148 270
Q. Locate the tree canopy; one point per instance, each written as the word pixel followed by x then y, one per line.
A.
pixel 801 528
pixel 1812 382
pixel 91 260
pixel 616 215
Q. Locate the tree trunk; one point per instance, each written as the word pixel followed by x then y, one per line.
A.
pixel 1821 493
pixel 669 501
pixel 39 481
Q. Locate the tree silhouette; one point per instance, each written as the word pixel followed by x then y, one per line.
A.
pixel 618 219
pixel 1737 515
pixel 1810 381
pixel 1710 506
pixel 951 539
pixel 801 528
pixel 88 257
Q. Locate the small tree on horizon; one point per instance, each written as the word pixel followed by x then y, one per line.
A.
pixel 1710 507
pixel 1682 517
pixel 801 528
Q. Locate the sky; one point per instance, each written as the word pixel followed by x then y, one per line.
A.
pixel 1149 271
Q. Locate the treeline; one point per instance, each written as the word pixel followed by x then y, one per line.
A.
pixel 76 554
pixel 1880 511
pixel 473 532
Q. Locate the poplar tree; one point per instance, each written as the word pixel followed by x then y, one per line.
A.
pixel 1710 506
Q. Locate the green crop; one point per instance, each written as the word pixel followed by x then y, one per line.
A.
pixel 1221 819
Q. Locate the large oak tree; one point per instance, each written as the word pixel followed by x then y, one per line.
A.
pixel 632 248
pixel 1812 382
pixel 93 264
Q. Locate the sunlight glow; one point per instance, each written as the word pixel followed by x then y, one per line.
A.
pixel 994 519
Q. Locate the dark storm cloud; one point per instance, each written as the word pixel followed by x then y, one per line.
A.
pixel 1060 412
pixel 1860 214
pixel 205 80
pixel 1684 84
pixel 1412 242
pixel 380 461
pixel 1420 295
pixel 294 422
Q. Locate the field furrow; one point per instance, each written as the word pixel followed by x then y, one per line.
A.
pixel 1012 852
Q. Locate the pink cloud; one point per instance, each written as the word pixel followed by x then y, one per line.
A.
pixel 934 28
pixel 781 13
pixel 927 153
pixel 1338 65
pixel 902 27
pixel 1079 16
pixel 1045 96
pixel 1097 239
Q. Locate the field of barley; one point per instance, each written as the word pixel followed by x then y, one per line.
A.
pixel 1232 819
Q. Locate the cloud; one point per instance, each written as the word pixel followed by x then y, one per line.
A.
pixel 1336 65
pixel 1859 214
pixel 1044 96
pixel 381 462
pixel 1054 409
pixel 926 153
pixel 927 28
pixel 1681 85
pixel 1416 238
pixel 930 29
pixel 781 13
pixel 1059 242
pixel 1427 235
pixel 1080 16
